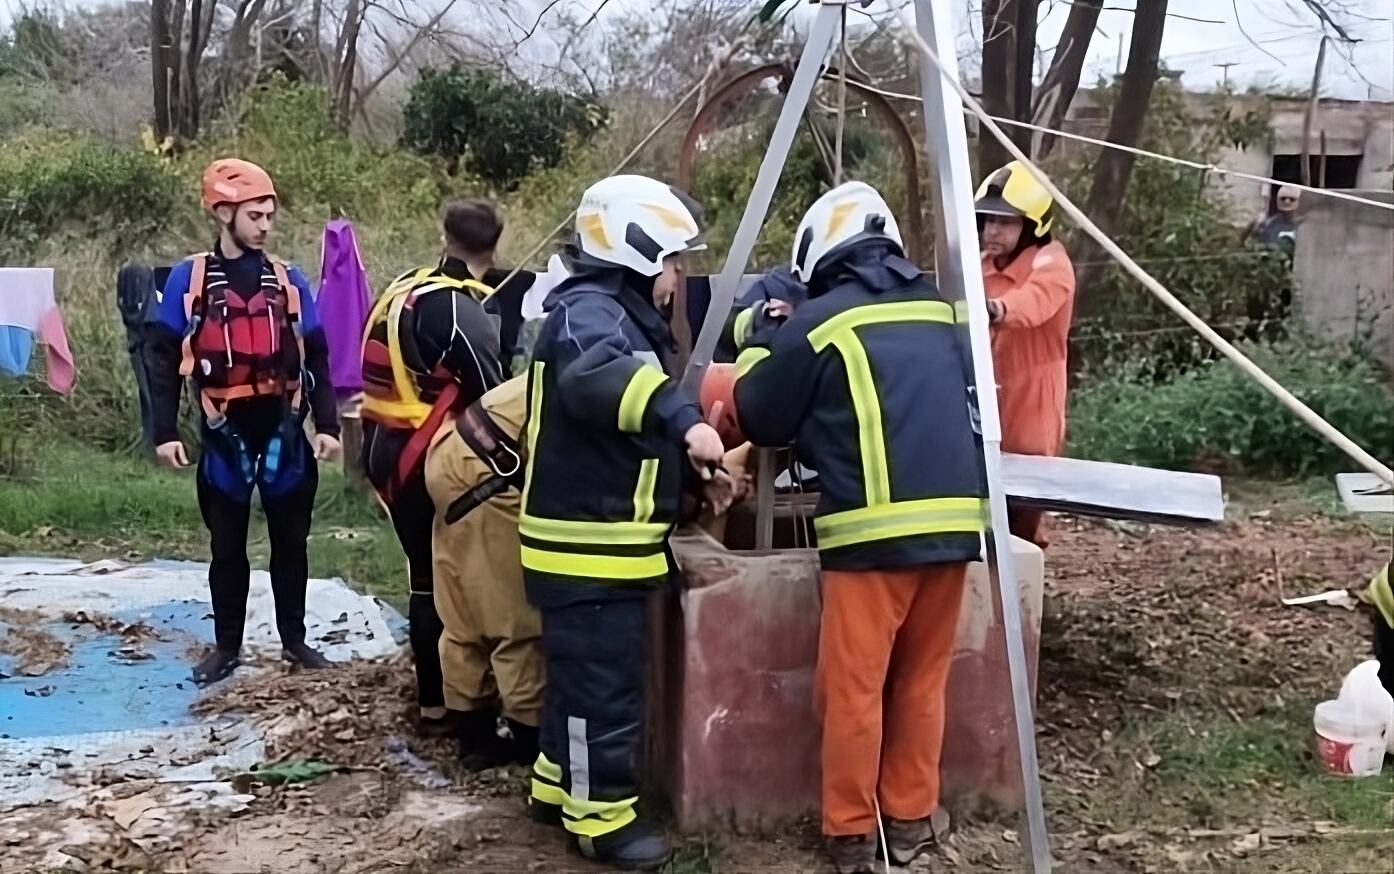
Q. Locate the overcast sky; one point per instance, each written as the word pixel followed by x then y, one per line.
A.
pixel 1269 42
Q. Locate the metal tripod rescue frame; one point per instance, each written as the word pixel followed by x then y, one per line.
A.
pixel 959 277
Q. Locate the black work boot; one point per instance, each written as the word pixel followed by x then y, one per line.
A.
pixel 639 846
pixel 481 748
pixel 216 665
pixel 305 656
pixel 439 727
pixel 853 855
pixel 524 742
pixel 544 813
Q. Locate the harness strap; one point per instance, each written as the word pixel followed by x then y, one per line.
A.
pixel 420 440
pixel 496 448
pixel 193 313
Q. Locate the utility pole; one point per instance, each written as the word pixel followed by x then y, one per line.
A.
pixel 1310 115
pixel 1224 83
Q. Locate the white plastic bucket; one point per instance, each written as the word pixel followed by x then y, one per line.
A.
pixel 1363 688
pixel 1350 742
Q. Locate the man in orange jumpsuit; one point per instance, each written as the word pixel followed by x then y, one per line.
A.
pixel 1030 286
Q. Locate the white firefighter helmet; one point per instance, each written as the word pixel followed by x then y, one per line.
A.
pixel 848 214
pixel 636 222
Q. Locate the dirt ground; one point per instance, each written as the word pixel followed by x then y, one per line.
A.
pixel 1149 634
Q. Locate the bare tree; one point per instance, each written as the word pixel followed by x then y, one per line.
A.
pixel 1009 53
pixel 1115 166
pixel 1061 81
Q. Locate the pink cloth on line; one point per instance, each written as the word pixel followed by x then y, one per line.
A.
pixel 60 366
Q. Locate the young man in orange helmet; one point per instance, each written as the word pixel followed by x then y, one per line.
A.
pixel 1030 287
pixel 244 326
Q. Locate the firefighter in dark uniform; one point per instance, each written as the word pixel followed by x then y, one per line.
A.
pixel 610 439
pixel 868 380
pixel 429 351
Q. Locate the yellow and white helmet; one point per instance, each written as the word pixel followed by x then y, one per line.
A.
pixel 848 214
pixel 636 222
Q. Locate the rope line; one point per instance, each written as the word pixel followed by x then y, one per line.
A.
pixel 1196 165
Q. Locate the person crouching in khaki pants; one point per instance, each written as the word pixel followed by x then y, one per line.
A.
pixel 490 652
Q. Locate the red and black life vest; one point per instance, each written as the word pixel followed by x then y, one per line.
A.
pixel 240 345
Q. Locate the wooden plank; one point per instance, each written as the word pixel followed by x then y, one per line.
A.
pixel 1365 493
pixel 1113 491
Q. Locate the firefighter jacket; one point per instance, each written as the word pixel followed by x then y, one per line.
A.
pixel 870 382
pixel 606 449
pixel 1030 345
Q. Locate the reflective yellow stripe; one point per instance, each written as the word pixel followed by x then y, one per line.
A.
pixel 642 385
pixel 740 330
pixel 602 567
pixel 870 433
pixel 568 531
pixel 547 793
pixel 595 819
pixel 644 501
pixel 879 313
pixel 902 519
pixel 746 361
pixel 1382 595
pixel 546 768
pixel 961 311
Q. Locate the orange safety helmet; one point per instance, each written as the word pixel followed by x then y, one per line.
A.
pixel 718 399
pixel 235 181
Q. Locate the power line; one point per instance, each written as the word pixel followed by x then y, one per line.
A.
pixel 1195 165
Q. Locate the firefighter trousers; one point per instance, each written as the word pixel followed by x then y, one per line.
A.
pixel 884 651
pixel 490 650
pixel 592 717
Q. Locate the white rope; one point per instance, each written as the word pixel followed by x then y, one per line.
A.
pixel 1285 397
pixel 1197 165
pixel 881 827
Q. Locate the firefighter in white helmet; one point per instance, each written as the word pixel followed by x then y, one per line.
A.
pixel 611 442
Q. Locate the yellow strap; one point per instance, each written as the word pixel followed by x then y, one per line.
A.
pixel 900 519
pixel 642 385
pixel 746 361
pixel 595 567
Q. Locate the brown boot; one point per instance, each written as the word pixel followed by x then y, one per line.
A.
pixel 853 855
pixel 907 840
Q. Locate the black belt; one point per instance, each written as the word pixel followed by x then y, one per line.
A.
pixel 495 448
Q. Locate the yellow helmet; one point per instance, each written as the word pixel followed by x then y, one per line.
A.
pixel 1012 190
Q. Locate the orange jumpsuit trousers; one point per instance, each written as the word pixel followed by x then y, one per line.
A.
pixel 884 651
pixel 1030 345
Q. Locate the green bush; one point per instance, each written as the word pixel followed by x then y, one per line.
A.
pixel 1186 236
pixel 1215 417
pixel 499 130
pixel 50 181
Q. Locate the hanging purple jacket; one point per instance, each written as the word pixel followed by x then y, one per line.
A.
pixel 345 298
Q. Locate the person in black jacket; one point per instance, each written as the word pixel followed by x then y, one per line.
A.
pixel 610 437
pixel 244 326
pixel 869 382
pixel 430 351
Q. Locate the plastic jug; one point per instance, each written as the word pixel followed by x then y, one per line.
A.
pixel 1363 688
pixel 1350 740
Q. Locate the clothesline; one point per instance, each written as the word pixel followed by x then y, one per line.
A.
pixel 1197 165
